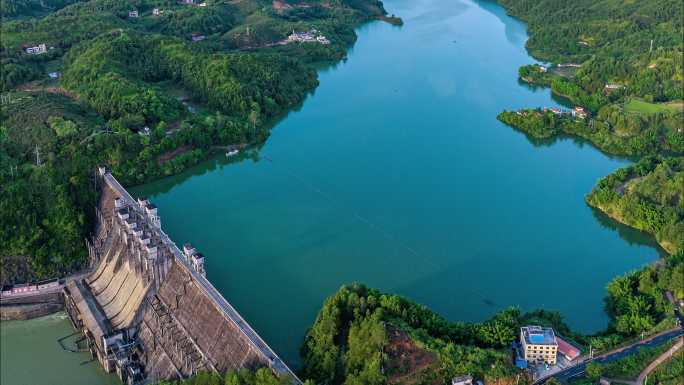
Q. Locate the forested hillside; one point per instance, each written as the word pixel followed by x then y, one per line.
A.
pixel 363 336
pixel 144 87
pixel 648 196
pixel 621 61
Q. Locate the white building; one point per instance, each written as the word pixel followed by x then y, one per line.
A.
pixel 462 380
pixel 308 37
pixel 538 344
pixel 37 50
pixel 133 14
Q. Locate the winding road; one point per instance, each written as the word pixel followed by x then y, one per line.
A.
pixel 659 339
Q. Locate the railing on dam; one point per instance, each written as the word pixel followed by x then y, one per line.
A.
pixel 277 365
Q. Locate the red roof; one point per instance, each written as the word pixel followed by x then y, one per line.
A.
pixel 566 349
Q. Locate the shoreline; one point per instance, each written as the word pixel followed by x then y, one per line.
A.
pixel 666 246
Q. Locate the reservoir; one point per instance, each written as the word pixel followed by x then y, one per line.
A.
pixel 394 173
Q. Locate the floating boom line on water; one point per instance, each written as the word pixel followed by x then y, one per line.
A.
pixel 377 228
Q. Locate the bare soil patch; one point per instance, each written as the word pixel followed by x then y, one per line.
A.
pixel 407 363
pixel 167 156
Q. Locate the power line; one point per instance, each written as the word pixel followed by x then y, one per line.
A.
pixel 385 233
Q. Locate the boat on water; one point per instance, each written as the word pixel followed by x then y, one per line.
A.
pixel 233 152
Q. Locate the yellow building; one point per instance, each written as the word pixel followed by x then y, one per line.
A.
pixel 539 345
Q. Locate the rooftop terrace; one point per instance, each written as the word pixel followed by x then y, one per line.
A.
pixel 537 335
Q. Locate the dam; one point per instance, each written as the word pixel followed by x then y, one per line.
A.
pixel 146 311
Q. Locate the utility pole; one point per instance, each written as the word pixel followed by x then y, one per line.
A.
pixel 651 49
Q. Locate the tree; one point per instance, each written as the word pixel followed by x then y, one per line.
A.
pixel 594 371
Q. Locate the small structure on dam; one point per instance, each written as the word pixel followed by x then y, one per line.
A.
pixel 147 310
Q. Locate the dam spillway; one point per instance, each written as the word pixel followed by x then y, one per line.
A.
pixel 147 311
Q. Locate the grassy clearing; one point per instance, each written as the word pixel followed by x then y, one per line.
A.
pixel 642 107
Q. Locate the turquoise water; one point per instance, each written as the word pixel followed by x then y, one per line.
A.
pixel 32 355
pixel 396 173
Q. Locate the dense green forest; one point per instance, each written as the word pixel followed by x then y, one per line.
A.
pixel 146 96
pixel 649 196
pixel 26 8
pixel 621 55
pixel 363 336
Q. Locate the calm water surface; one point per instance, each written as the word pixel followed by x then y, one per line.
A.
pixel 396 173
pixel 32 355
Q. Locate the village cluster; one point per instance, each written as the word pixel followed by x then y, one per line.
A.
pixel 577 112
pixel 313 36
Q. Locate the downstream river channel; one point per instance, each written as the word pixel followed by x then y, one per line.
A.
pixel 396 173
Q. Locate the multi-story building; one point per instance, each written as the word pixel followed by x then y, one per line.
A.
pixel 539 344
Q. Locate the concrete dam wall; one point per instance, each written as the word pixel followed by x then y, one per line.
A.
pixel 147 310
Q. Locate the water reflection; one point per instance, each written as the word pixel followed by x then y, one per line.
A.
pixel 515 30
pixel 629 234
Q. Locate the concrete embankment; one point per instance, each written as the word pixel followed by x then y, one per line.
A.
pixel 30 307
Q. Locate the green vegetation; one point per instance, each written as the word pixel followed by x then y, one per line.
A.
pixel 670 372
pixel 648 196
pixel 123 100
pixel 641 107
pixel 261 376
pixel 636 302
pixel 630 367
pixel 617 134
pixel 360 330
pixel 628 72
pixel 25 8
pixel 363 337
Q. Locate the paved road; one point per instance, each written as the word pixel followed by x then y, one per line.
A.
pixel 579 369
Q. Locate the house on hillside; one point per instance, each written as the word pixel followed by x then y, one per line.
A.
pixel 37 50
pixel 133 14
pixel 157 12
pixel 197 36
pixel 579 112
pixel 462 380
